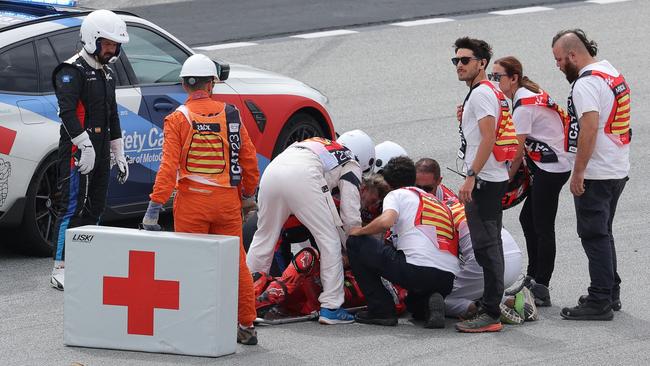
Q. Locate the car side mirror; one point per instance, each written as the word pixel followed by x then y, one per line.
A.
pixel 223 69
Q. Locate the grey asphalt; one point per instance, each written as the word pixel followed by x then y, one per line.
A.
pixel 206 22
pixel 398 84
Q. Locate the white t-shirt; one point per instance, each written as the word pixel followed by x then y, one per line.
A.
pixel 469 264
pixel 591 93
pixel 417 248
pixel 544 125
pixel 482 103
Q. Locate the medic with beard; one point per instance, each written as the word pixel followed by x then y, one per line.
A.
pixel 599 135
pixel 90 129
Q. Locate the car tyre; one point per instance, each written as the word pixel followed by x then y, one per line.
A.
pixel 299 127
pixel 40 210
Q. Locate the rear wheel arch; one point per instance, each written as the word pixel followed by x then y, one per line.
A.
pixel 322 121
pixel 302 124
pixel 39 208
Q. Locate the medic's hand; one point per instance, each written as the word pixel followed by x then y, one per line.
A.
pixel 465 191
pixel 86 162
pixel 117 148
pixel 354 231
pixel 459 112
pixel 248 205
pixel 577 184
pixel 150 219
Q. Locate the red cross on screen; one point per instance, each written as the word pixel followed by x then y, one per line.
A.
pixel 141 293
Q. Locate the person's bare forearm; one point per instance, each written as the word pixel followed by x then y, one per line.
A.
pixel 379 225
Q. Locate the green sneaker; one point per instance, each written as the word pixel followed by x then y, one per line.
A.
pixel 520 300
pixel 479 324
pixel 529 306
pixel 510 316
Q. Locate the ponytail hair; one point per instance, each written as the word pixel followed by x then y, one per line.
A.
pixel 530 85
pixel 513 67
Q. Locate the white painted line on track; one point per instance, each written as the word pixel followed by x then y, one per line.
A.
pixel 413 23
pixel 332 33
pixel 531 9
pixel 605 1
pixel 225 45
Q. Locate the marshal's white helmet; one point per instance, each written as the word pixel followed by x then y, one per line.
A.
pixel 386 151
pixel 199 66
pixel 103 24
pixel 361 146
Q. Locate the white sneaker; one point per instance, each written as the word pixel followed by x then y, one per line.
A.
pixel 57 278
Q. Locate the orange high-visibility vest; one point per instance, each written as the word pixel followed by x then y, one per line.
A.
pixel 617 127
pixel 458 214
pixel 448 196
pixel 211 151
pixel 505 147
pixel 434 216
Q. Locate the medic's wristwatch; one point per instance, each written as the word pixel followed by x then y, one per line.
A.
pixel 471 172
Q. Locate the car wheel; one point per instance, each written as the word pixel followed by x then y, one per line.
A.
pixel 40 210
pixel 299 127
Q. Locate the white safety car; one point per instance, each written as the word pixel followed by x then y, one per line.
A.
pixel 35 38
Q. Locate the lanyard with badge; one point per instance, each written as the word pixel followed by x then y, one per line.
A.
pixel 463 142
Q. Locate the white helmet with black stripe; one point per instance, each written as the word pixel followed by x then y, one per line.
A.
pixel 361 145
pixel 386 151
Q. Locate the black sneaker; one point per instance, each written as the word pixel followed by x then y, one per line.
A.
pixel 528 281
pixel 246 335
pixel 616 303
pixel 436 312
pixel 588 311
pixel 541 293
pixel 525 282
pixel 365 317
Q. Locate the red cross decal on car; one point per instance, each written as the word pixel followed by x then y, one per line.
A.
pixel 141 293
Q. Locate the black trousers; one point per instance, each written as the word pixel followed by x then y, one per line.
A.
pixel 537 218
pixel 371 259
pixel 484 219
pixel 81 198
pixel 595 211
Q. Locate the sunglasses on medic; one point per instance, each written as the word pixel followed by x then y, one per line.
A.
pixel 495 76
pixel 463 60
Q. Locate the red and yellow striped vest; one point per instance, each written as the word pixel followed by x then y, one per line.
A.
pixel 433 214
pixel 505 146
pixel 211 149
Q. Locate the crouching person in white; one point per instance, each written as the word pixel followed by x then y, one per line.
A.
pixel 468 284
pixel 423 258
pixel 299 181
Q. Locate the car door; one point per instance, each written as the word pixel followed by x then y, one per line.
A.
pixel 135 124
pixel 155 62
pixel 25 134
